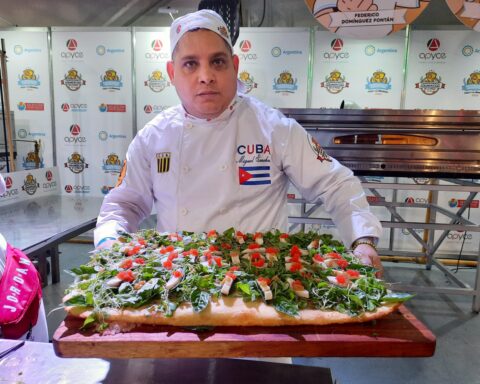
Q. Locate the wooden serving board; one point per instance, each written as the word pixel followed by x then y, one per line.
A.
pixel 400 334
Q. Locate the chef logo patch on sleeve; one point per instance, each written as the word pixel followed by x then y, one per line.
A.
pixel 318 150
pixel 163 162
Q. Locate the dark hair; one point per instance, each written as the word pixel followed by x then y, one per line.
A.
pixel 203 29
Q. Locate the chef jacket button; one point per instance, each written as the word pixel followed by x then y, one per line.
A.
pixel 224 167
pixel 184 211
pixel 186 168
pixel 188 125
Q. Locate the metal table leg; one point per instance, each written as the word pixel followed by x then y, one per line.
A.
pixel 55 264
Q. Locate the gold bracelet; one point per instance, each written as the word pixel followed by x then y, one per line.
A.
pixel 356 243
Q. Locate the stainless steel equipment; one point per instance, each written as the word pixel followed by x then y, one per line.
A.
pixel 427 143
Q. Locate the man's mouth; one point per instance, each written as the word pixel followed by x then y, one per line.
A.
pixel 207 93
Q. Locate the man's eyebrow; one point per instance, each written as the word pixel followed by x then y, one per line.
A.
pixel 195 57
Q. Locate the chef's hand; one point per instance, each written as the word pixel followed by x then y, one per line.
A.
pixel 369 256
pixel 106 243
pixel 356 5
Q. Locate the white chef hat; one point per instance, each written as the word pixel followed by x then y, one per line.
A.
pixel 205 18
pixel 3 188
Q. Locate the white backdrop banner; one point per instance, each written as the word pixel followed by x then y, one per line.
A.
pixel 30 184
pixel 465 242
pixel 92 76
pixel 274 65
pixel 366 74
pixel 443 70
pixel 153 88
pixel 29 91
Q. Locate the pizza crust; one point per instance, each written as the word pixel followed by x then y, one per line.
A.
pixel 232 311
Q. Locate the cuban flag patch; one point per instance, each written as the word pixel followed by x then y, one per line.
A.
pixel 254 175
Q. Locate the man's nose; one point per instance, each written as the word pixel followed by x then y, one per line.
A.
pixel 206 75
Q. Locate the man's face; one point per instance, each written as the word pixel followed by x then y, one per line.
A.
pixel 204 73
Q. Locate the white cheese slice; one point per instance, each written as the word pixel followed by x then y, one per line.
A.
pixel 315 244
pixel 173 282
pixel 248 250
pixel 235 257
pixel 227 285
pixel 333 280
pixel 271 257
pixel 113 282
pixel 267 293
pixel 300 293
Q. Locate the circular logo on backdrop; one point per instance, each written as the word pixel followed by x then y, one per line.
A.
pixel 22 133
pixel 276 51
pixel 68 188
pixel 8 182
pixel 467 11
pixel 337 44
pixel 147 108
pixel 75 130
pixel 100 50
pixel 245 45
pixel 467 50
pixel 370 50
pixel 157 45
pixel 365 19
pixel 433 45
pixel 49 175
pixel 71 44
pixel 103 135
pixel 18 49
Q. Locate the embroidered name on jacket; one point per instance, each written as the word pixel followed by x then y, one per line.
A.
pixel 251 154
pixel 163 162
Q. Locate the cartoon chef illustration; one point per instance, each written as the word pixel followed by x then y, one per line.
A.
pixel 365 18
pixel 467 11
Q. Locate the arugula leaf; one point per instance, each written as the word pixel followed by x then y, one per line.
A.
pixel 84 270
pixel 229 233
pixel 397 297
pixel 78 300
pixel 244 287
pixel 283 305
pixel 199 300
pixel 89 321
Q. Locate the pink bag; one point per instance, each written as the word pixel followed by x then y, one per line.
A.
pixel 20 294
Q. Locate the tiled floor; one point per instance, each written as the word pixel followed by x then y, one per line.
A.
pixel 449 317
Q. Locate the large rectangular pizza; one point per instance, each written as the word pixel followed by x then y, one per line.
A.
pixel 225 279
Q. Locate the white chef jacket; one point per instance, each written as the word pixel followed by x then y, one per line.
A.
pixel 231 171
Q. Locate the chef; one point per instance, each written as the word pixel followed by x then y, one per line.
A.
pixel 22 313
pixel 223 159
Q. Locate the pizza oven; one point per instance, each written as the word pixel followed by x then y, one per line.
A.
pixel 410 143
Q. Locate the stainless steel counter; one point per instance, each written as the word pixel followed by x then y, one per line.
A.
pixel 37 226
